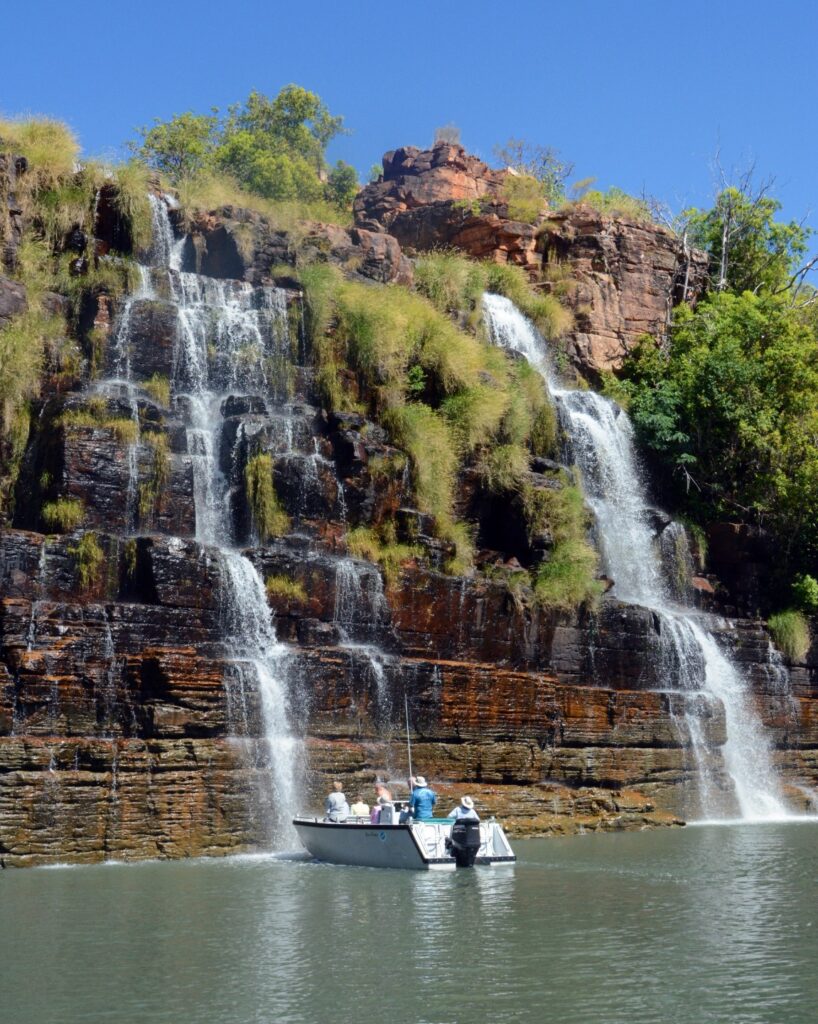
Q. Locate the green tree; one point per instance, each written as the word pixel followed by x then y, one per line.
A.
pixel 749 249
pixel 180 147
pixel 275 147
pixel 342 184
pixel 729 407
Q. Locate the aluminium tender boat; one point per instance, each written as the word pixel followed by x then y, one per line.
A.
pixel 422 845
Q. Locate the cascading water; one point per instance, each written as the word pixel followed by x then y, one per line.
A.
pixel 361 607
pixel 600 441
pixel 226 332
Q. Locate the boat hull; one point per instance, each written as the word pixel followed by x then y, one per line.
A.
pixel 417 846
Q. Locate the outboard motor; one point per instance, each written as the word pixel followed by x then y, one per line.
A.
pixel 464 841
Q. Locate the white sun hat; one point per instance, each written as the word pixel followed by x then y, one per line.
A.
pixel 420 780
pixel 467 802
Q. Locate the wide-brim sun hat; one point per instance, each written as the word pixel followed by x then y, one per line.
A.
pixel 467 802
pixel 420 780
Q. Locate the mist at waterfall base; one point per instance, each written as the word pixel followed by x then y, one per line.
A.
pixel 687 926
pixel 599 442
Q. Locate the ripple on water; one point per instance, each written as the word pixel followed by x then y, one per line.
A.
pixel 697 926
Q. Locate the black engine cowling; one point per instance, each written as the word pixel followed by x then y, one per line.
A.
pixel 464 841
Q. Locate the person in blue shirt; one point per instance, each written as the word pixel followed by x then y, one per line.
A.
pixel 423 799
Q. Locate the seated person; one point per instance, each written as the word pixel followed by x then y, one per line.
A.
pixel 336 807
pixel 465 809
pixel 383 805
pixel 359 809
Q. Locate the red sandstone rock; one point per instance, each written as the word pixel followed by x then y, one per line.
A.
pixel 628 275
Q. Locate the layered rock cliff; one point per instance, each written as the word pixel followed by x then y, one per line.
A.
pixel 127 726
pixel 626 275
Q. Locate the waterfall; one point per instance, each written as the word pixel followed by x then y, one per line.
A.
pixel 361 608
pixel 166 250
pixel 599 439
pixel 226 333
pixel 122 377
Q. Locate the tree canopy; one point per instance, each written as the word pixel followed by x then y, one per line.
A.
pixel 749 250
pixel 728 402
pixel 272 147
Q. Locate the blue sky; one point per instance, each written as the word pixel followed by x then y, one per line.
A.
pixel 637 94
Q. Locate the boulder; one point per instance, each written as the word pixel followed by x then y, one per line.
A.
pixel 414 178
pixel 12 299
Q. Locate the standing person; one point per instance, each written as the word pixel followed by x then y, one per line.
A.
pixel 465 809
pixel 422 800
pixel 336 807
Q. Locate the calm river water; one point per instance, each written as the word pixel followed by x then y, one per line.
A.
pixel 708 924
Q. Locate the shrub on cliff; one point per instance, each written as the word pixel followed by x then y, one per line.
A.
pixel 805 593
pixel 542 164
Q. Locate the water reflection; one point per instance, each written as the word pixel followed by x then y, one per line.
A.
pixel 705 925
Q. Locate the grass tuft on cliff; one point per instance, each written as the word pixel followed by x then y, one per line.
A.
pixel 152 489
pixel 63 515
pixel 95 416
pixel 212 190
pixel 790 632
pixel 280 586
pixel 568 578
pixel 378 544
pixel 454 284
pixel 89 559
pixel 269 518
pixel 158 387
pixel 614 203
pixel 132 183
pixel 51 147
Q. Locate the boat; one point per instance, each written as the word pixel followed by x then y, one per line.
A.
pixel 435 844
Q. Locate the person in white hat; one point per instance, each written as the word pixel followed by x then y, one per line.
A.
pixel 423 799
pixel 465 809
